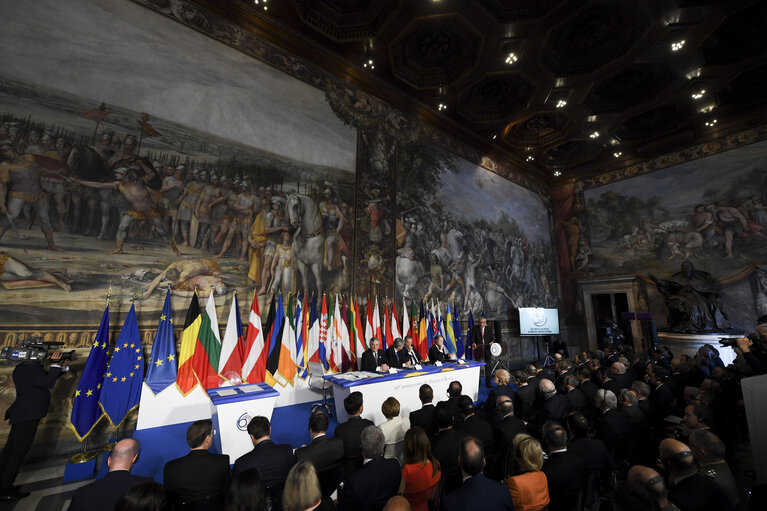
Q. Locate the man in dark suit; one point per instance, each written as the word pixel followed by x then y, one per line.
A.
pixel 639 431
pixel 199 478
pixel 477 491
pixel 104 493
pixel 509 427
pixel 475 426
pixel 565 472
pixel 424 418
pixel 444 447
pixel 642 391
pixel 326 454
pixel 687 488
pixel 555 407
pixel 524 397
pixel 591 450
pixel 410 354
pixel 376 482
pixel 33 396
pixel 621 375
pixel 273 461
pixel 587 386
pixel 612 429
pixel 373 359
pixel 438 352
pixel 453 393
pixel 350 432
pixel 393 353
pixel 661 397
pixel 573 394
pixel 481 338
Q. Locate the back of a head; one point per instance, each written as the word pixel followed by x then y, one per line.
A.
pixel 471 456
pixel 352 403
pixel 608 399
pixel 571 380
pixel 649 479
pixel 584 372
pixel 123 452
pixel 633 497
pixel 455 388
pixel 547 387
pixel 503 376
pixel 677 456
pixel 246 491
pixel 578 424
pixel 504 406
pixel 390 408
pixel 707 442
pixel 318 421
pixel 520 376
pixel 529 454
pixel 259 427
pixel 554 435
pixel 466 405
pixel 416 447
pixel 426 394
pixel 302 487
pixel 147 496
pixel 198 432
pixel 641 388
pixel 397 503
pixel 398 343
pixel 442 416
pixel 531 370
pixel 629 397
pixel 372 442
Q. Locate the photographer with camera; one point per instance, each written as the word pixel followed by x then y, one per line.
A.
pixel 33 395
pixel 745 350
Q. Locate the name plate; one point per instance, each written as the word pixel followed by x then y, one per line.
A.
pixel 437 363
pixel 392 370
pixel 418 367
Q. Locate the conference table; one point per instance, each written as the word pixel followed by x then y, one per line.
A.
pixel 403 385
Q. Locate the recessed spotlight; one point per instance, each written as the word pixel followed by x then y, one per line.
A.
pixel 441 107
pixel 511 58
pixel 699 94
pixel 557 173
pixel 594 135
pixel 617 154
pixel 706 109
pixel 530 157
pixel 561 103
pixel 711 123
pixel 677 45
pixel 494 136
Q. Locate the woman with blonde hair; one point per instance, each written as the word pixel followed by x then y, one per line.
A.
pixel 528 487
pixel 421 472
pixel 394 429
pixel 302 488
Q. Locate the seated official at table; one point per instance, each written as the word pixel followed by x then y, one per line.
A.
pixel 410 355
pixel 438 352
pixel 373 359
pixel 395 355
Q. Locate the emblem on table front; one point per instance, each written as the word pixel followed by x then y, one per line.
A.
pixel 242 422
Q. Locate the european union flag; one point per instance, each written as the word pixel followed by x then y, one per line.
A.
pixel 86 412
pixel 162 369
pixel 125 374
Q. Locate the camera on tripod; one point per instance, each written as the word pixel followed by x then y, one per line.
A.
pixel 35 349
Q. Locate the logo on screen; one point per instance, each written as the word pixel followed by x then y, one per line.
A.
pixel 539 317
pixel 242 422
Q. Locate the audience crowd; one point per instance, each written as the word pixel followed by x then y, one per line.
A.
pixel 606 430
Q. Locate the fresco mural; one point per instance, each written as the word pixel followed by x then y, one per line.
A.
pixel 466 236
pixel 690 212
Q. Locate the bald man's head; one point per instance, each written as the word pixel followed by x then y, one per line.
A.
pixel 676 456
pixel 650 479
pixel 397 503
pixel 123 455
pixel 547 388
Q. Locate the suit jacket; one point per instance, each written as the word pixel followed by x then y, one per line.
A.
pixel 350 432
pixel 566 474
pixel 492 397
pixel 392 357
pixel 438 356
pixel 662 400
pixel 479 492
pixel 327 456
pixel 424 418
pixel 372 360
pixel 624 380
pixel 483 351
pixel 593 452
pixel 613 386
pixel 589 390
pixel 554 408
pixel 444 447
pixel 504 434
pixel 613 430
pixel 196 476
pixel 371 486
pixel 481 429
pixel 452 405
pixel 405 356
pixel 524 402
pixel 104 493
pixel 577 400
pixel 33 393
pixel 698 493
pixel 273 462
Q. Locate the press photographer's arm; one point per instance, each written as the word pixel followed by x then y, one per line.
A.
pixel 744 350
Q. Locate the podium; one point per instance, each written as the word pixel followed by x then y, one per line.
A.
pixel 231 411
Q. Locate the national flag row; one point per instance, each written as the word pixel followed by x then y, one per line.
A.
pixel 298 333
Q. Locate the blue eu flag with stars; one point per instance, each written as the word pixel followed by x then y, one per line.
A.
pixel 125 374
pixel 162 369
pixel 86 412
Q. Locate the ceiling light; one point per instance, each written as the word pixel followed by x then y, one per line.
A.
pixel 561 103
pixel 530 157
pixel 494 136
pixel 699 94
pixel 678 45
pixel 711 123
pixel 594 135
pixel 591 118
pixel 706 109
pixel 441 107
pixel 557 173
pixel 369 64
pixel 617 154
pixel 511 58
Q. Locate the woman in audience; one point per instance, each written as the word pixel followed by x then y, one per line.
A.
pixel 246 492
pixel 529 487
pixel 302 489
pixel 142 497
pixel 394 429
pixel 421 472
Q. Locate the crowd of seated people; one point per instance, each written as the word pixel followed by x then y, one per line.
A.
pixel 611 429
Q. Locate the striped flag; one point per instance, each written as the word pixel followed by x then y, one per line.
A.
pixel 322 349
pixel 163 371
pixel 302 367
pixel 286 367
pixel 359 336
pixel 369 332
pixel 395 329
pixel 232 348
pixel 450 341
pixel 388 337
pixel 275 342
pixel 377 331
pixel 459 347
pixel 423 335
pixel 468 335
pixel 406 330
pixel 207 353
pixel 254 365
pixel 186 380
pixel 313 346
pixel 340 337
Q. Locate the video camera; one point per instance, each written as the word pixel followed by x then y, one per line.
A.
pixel 36 349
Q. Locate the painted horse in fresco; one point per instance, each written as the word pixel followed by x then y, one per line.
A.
pixel 308 239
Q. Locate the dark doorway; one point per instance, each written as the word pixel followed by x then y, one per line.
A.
pixel 611 329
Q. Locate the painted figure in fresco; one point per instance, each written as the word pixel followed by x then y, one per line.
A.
pixel 374 223
pixel 308 240
pixel 274 224
pixel 172 189
pixel 182 271
pixel 141 205
pixel 11 269
pixel 702 222
pixel 283 271
pixel 257 242
pixel 95 205
pixel 240 211
pixel 209 199
pixel 331 217
pixel 731 222
pixel 187 204
pixel 56 185
pixel 20 186
pixel 693 301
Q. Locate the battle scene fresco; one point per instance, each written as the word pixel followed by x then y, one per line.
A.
pixel 468 237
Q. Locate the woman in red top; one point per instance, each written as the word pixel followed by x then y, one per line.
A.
pixel 420 472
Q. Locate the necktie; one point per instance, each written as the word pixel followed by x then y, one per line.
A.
pixel 483 335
